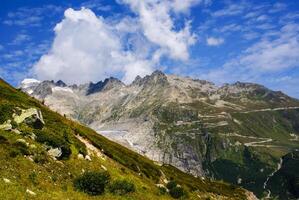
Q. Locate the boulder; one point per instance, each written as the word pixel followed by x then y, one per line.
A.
pixel 55 153
pixel 6 126
pixel 31 116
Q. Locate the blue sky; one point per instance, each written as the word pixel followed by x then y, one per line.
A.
pixel 220 41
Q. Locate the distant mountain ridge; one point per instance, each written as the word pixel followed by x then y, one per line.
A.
pixel 192 124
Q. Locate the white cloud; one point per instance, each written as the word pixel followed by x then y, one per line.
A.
pixel 30 16
pixel 158 26
pixel 262 18
pixel 230 10
pixel 274 55
pixel 269 57
pixel 277 7
pixel 212 41
pixel 85 49
pixel 90 48
pixel 20 38
pixel 96 5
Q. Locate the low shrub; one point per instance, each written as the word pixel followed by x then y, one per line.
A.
pixel 162 190
pixel 3 140
pixel 121 187
pixel 6 111
pixel 40 158
pixel 33 178
pixel 19 148
pixel 92 183
pixel 177 192
pixel 54 141
pixel 171 184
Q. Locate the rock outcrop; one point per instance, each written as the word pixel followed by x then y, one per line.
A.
pixel 31 116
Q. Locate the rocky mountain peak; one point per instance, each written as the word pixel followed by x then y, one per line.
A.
pixel 60 83
pixel 107 84
pixel 137 80
pixel 156 78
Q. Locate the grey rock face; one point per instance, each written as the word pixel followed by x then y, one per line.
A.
pixel 30 116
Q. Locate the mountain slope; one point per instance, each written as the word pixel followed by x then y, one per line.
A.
pixel 192 124
pixel 42 153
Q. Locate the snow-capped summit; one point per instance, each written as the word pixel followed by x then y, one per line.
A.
pixel 28 82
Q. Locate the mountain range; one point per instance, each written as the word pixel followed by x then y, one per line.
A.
pixel 44 155
pixel 239 133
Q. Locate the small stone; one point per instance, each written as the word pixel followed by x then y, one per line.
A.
pixel 239 181
pixel 6 180
pixel 6 126
pixel 103 167
pixel 30 158
pixel 32 136
pixel 87 157
pixel 30 192
pixel 16 131
pixel 80 156
pixel 22 141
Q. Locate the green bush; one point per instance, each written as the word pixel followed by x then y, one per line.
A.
pixel 177 192
pixel 92 183
pixel 14 124
pixel 171 184
pixel 3 140
pixel 162 190
pixel 40 158
pixel 55 141
pixel 19 148
pixel 6 112
pixel 121 187
pixel 66 151
pixel 33 178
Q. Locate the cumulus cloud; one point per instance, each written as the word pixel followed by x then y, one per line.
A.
pixel 212 41
pixel 87 47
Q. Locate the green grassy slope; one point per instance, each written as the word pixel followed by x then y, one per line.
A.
pixel 28 166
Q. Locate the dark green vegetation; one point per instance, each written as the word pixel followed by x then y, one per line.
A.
pixel 92 183
pixel 174 190
pixel 27 166
pixel 285 182
pixel 121 187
